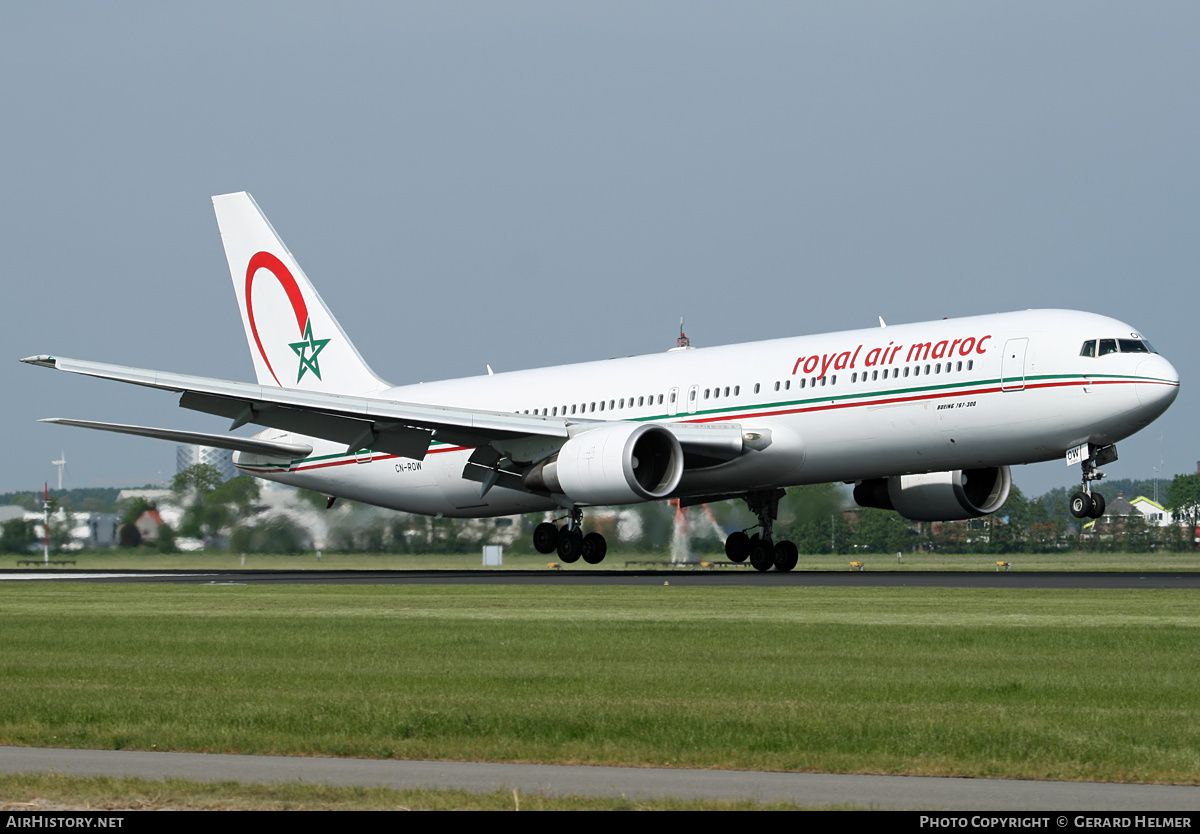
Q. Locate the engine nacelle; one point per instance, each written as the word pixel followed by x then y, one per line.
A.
pixel 615 463
pixel 939 496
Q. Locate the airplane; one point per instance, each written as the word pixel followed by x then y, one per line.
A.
pixel 924 419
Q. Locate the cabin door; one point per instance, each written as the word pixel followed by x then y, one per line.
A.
pixel 1012 366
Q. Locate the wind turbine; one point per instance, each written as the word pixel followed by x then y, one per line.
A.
pixel 61 463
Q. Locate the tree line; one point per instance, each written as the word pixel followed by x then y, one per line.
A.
pixel 820 519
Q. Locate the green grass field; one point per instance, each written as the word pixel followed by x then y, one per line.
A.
pixel 51 792
pixel 1024 684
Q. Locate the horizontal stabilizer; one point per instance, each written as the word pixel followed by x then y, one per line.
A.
pixel 267 448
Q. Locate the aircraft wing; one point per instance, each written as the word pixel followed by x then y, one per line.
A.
pixel 359 422
pixel 397 428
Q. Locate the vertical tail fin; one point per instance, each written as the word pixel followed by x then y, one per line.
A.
pixel 294 340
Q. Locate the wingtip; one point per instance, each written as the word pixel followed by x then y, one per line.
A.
pixel 44 360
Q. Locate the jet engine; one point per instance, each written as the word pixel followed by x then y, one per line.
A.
pixel 938 496
pixel 614 463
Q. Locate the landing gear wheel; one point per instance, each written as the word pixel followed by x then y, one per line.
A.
pixel 1097 505
pixel 545 538
pixel 737 546
pixel 786 556
pixel 594 548
pixel 570 546
pixel 1081 504
pixel 762 554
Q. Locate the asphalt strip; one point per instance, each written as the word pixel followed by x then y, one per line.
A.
pixel 809 789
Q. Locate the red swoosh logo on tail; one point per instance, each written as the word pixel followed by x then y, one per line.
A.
pixel 272 264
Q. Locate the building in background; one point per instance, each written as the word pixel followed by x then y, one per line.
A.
pixel 187 455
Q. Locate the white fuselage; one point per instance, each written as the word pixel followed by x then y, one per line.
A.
pixel 964 393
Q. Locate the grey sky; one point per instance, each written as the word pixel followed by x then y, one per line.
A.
pixel 524 184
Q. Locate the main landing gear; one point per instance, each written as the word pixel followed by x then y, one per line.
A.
pixel 569 540
pixel 762 551
pixel 1086 503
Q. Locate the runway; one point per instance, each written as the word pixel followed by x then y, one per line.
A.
pixel 818 790
pixel 1083 580
pixel 815 790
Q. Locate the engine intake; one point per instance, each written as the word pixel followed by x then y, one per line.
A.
pixel 939 496
pixel 615 463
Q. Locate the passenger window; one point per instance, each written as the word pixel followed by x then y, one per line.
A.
pixel 854 377
pixel 602 405
pixel 672 398
pixel 970 364
pixel 833 380
pixel 802 382
pixel 641 400
pixel 737 389
pixel 1108 346
pixel 906 372
pixel 777 386
pixel 756 387
pixel 1088 349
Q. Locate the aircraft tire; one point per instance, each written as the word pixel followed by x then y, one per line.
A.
pixel 762 555
pixel 545 538
pixel 1097 505
pixel 594 548
pixel 570 546
pixel 737 546
pixel 786 556
pixel 1081 504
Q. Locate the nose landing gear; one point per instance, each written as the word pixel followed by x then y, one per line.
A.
pixel 1086 503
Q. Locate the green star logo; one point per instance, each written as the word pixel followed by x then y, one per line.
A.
pixel 308 351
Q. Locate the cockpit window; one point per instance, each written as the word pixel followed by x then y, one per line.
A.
pixel 1108 346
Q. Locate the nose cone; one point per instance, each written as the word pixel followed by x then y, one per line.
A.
pixel 1157 386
